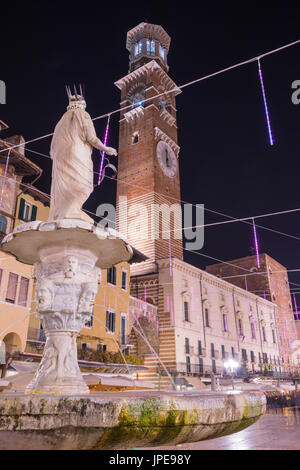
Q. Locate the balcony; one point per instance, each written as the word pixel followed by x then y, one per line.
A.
pixel 189 369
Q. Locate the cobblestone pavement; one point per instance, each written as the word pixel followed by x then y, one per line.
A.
pixel 279 429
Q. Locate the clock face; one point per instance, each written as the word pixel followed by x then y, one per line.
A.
pixel 167 159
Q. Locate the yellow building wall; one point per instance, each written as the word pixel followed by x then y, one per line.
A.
pixel 42 214
pixel 14 319
pixel 42 209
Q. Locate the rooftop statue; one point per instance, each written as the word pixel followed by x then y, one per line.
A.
pixel 72 173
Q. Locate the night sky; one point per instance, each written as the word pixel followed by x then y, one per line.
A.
pixel 226 161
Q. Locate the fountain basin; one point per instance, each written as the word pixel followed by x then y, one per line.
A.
pixel 123 420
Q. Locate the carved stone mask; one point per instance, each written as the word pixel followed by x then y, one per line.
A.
pixel 87 298
pixel 70 266
pixel 44 296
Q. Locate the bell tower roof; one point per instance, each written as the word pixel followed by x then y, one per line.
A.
pixel 146 42
pixel 148 31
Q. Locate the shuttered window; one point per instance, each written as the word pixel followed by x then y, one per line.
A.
pixel 27 212
pixel 110 321
pixel 112 275
pixel 23 292
pixel 11 288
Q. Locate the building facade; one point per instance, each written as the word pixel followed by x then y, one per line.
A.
pixel 270 281
pixel 15 278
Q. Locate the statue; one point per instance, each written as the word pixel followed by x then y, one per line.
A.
pixel 72 173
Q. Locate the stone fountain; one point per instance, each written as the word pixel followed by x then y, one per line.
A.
pixel 57 410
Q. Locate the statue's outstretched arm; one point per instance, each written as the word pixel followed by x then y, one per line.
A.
pixel 92 138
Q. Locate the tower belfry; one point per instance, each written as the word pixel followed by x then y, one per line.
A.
pixel 148 170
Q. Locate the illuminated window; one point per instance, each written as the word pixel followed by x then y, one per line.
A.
pixel 152 50
pixel 162 52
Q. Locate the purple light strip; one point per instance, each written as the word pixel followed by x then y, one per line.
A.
pixel 4 178
pixel 265 102
pixel 103 152
pixel 296 308
pixel 170 257
pixel 256 244
pixel 172 312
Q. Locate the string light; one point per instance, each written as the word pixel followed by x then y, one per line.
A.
pixel 100 178
pixel 4 179
pixel 296 308
pixel 256 245
pixel 170 257
pixel 265 102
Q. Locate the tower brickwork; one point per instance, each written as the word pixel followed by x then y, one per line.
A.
pixel 148 170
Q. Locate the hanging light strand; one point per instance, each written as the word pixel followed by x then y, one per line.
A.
pixel 256 244
pixel 265 102
pixel 103 151
pixel 4 178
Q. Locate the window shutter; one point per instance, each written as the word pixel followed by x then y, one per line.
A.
pixel 23 292
pixel 33 212
pixel 114 275
pixel 113 322
pixel 107 321
pixel 11 288
pixel 21 209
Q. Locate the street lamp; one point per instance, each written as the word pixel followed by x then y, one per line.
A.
pixel 231 366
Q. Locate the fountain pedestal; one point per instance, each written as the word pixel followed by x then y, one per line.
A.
pixel 67 256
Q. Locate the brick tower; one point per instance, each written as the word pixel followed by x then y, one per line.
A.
pixel 148 171
pixel 148 177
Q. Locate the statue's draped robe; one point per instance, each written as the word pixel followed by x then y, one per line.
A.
pixel 72 172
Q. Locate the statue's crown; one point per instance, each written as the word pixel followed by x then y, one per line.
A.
pixel 76 100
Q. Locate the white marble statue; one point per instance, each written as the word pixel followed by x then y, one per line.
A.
pixel 72 173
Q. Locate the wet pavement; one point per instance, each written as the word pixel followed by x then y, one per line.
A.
pixel 278 429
